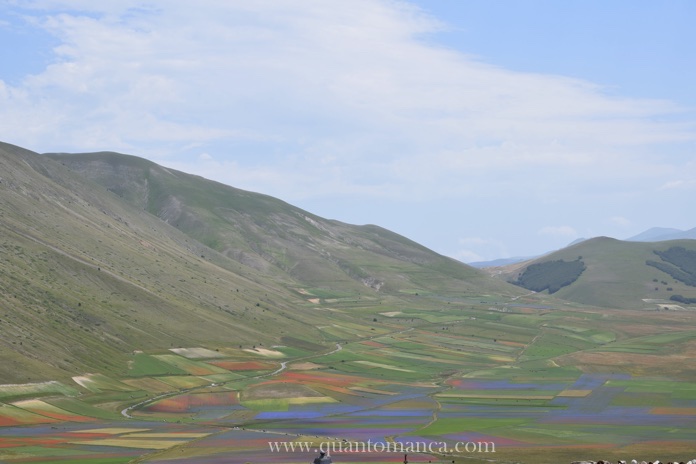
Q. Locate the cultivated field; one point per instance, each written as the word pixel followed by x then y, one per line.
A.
pixel 537 383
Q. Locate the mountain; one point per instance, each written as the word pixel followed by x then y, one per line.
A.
pixel 655 234
pixel 103 254
pixel 660 234
pixel 165 302
pixel 612 273
pixel 515 260
pixel 273 237
pixel 500 262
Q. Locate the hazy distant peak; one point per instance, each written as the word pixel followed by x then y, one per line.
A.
pixel 659 234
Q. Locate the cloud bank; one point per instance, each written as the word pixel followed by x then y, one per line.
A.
pixel 318 99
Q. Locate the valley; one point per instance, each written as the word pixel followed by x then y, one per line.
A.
pixel 153 316
pixel 530 381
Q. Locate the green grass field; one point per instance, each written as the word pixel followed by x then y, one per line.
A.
pixel 510 377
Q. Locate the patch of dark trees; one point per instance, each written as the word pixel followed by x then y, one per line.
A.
pixel 683 299
pixel 678 262
pixel 550 275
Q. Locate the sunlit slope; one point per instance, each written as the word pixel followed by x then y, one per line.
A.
pixel 88 273
pixel 85 278
pixel 616 274
pixel 277 238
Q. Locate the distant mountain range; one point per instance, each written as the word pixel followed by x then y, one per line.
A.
pixel 661 234
pixel 654 234
pixel 501 262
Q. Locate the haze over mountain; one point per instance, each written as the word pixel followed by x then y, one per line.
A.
pixel 660 234
pixel 500 262
pixel 103 254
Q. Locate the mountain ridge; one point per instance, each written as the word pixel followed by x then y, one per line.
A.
pixel 88 277
pixel 252 225
pixel 661 234
pixel 654 234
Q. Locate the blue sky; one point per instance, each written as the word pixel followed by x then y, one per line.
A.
pixel 481 129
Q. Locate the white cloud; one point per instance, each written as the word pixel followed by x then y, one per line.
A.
pixel 680 184
pixel 468 256
pixel 559 231
pixel 620 221
pixel 354 78
pixel 474 249
pixel 315 99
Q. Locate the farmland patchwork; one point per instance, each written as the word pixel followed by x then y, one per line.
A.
pixel 472 375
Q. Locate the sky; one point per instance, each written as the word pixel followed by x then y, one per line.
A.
pixel 482 129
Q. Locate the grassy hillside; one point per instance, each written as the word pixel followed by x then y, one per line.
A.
pixel 277 238
pixel 88 275
pixel 617 274
pixel 85 279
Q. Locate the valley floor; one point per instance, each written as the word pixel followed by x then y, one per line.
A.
pixel 472 381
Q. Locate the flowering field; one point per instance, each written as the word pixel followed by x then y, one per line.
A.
pixel 461 376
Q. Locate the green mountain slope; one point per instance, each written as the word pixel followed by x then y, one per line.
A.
pixel 85 279
pixel 616 273
pixel 88 276
pixel 272 236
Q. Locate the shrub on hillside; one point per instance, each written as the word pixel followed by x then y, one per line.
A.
pixel 683 299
